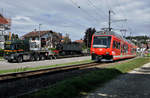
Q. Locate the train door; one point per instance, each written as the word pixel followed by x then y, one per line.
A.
pixel 122 51
pixel 125 48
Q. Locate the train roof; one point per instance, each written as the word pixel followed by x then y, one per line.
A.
pixel 108 33
pixel 113 33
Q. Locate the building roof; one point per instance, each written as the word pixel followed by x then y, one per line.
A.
pixel 3 20
pixel 36 33
pixel 79 41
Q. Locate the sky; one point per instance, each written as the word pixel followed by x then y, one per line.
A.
pixel 75 16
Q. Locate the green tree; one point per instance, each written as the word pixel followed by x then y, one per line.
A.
pixel 14 36
pixel 88 36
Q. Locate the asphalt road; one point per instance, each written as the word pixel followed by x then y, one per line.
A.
pixel 135 84
pixel 4 65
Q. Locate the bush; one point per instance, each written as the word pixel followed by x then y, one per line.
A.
pixel 51 49
pixel 1 52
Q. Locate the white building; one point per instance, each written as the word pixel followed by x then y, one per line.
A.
pixel 4 26
pixel 49 39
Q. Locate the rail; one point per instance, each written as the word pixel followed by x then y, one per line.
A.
pixel 25 74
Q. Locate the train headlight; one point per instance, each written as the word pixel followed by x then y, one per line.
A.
pixel 93 52
pixel 107 52
pixel 113 53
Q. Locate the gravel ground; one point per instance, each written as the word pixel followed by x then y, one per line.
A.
pixel 135 84
pixel 4 65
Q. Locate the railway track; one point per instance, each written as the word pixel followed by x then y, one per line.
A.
pixel 26 74
pixel 17 84
pixel 53 70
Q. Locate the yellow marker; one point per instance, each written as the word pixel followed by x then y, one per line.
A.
pixel 9 35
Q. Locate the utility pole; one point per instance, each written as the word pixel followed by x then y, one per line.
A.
pixel 40 36
pixel 130 36
pixel 39 31
pixel 109 21
pixel 87 40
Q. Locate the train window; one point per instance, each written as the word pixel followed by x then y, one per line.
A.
pixel 114 44
pixel 101 42
pixel 121 48
pixel 125 48
pixel 119 45
pixel 133 50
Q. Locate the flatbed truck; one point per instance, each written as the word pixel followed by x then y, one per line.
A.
pixel 25 50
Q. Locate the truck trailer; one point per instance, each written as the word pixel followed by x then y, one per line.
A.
pixel 23 50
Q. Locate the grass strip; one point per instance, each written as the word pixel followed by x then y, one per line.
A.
pixel 83 84
pixel 1 58
pixel 128 66
pixel 24 68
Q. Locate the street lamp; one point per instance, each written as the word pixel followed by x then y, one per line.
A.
pixel 39 36
pixel 39 31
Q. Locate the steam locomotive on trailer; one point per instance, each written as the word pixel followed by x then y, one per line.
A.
pixel 69 48
pixel 109 46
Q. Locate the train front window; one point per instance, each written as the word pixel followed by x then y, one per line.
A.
pixel 101 42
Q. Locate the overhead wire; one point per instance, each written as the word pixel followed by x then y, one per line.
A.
pixel 101 6
pixel 96 9
pixel 86 12
pixel 87 15
pixel 91 4
pixel 122 11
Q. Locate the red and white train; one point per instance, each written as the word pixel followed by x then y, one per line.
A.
pixel 109 46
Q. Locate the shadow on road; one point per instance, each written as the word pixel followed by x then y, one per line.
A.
pixel 125 86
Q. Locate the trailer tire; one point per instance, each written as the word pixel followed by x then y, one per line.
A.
pixel 19 59
pixel 10 61
pixel 37 58
pixel 42 57
pixel 32 58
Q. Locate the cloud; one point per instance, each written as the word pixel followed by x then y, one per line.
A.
pixel 75 17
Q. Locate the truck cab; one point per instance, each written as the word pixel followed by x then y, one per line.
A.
pixel 14 48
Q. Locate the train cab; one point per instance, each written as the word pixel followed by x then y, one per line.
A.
pixel 101 46
pixel 110 46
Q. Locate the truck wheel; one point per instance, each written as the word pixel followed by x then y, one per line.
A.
pixel 19 59
pixel 42 57
pixel 32 58
pixel 10 61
